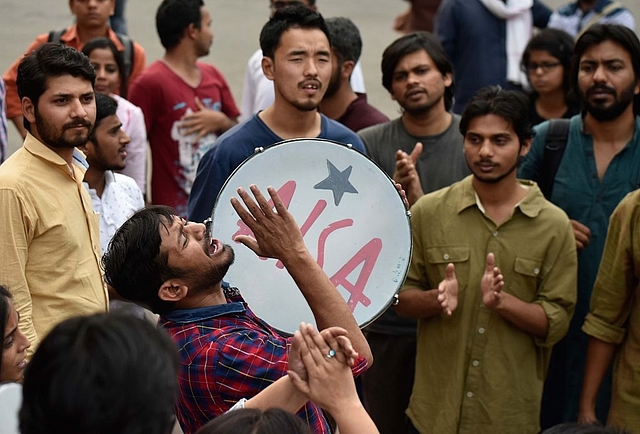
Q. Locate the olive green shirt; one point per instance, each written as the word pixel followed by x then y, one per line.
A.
pixel 476 372
pixel 615 310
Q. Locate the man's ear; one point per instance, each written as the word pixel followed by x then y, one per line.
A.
pixel 346 69
pixel 28 110
pixel 173 290
pixel 526 146
pixel 267 67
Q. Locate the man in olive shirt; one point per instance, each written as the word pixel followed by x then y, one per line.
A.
pixel 49 236
pixel 613 324
pixel 502 261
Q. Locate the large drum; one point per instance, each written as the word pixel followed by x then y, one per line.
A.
pixel 351 216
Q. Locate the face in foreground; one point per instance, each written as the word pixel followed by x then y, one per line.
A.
pixel 606 80
pixel 191 251
pixel 65 113
pixel 301 68
pixel 492 148
pixel 14 349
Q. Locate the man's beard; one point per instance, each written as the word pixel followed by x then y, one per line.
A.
pixel 334 84
pixel 608 113
pixel 488 180
pixel 206 277
pixel 50 137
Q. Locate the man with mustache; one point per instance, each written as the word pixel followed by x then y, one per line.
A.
pixel 297 58
pixel 492 282
pixel 50 255
pixel 600 165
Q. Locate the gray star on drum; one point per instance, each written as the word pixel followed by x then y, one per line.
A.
pixel 338 182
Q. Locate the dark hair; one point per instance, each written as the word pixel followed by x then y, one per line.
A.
pixel 558 44
pixel 598 34
pixel 299 17
pixel 576 428
pixel 105 373
pixel 5 296
pixel 50 60
pixel 173 17
pixel 106 43
pixel 410 44
pixel 254 421
pixel 133 263
pixel 345 39
pixel 105 106
pixel 512 105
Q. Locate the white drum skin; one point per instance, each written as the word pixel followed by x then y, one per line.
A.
pixel 351 216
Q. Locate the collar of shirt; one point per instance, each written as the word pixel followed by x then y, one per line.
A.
pixel 183 316
pixel 72 39
pixel 529 206
pixel 40 150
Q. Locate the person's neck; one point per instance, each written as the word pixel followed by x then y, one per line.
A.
pixel 96 179
pixel 551 105
pixel 427 123
pixel 88 33
pixel 203 298
pixel 500 198
pixel 336 105
pixel 616 131
pixel 182 60
pixel 288 122
pixel 586 5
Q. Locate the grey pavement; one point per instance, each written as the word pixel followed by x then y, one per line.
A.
pixel 236 24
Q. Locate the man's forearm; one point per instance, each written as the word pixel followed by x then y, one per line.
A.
pixel 417 303
pixel 528 317
pixel 599 356
pixel 327 304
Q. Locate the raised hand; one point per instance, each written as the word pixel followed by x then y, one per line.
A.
pixel 491 284
pixel 406 173
pixel 277 234
pixel 448 291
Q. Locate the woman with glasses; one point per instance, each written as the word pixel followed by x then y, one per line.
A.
pixel 547 63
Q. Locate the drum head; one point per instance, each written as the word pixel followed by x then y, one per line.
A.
pixel 352 219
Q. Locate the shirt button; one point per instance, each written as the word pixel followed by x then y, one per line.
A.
pixel 446 256
pixel 536 271
pixel 469 394
pixel 495 233
pixel 475 363
pixel 481 330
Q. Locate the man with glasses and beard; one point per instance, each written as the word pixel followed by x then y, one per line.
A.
pixel 50 255
pixel 600 165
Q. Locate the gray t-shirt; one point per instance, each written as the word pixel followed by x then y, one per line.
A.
pixel 441 163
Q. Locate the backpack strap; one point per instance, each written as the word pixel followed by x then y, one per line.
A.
pixel 55 35
pixel 127 55
pixel 554 145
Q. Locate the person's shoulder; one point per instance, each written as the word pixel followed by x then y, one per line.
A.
pixel 377 132
pixel 155 72
pixel 334 130
pixel 125 104
pixel 207 68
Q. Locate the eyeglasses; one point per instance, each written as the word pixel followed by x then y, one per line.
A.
pixel 282 4
pixel 545 66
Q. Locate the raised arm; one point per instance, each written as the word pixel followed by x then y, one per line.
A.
pixel 277 235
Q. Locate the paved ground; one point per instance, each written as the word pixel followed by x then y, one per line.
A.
pixel 236 25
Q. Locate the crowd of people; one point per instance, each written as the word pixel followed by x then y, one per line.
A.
pixel 520 311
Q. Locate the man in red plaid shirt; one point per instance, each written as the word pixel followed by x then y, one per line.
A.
pixel 175 268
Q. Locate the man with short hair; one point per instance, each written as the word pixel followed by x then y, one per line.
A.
pixel 50 255
pixel 575 18
pixel 599 166
pixel 175 268
pixel 257 90
pixel 492 282
pixel 92 21
pixel 422 150
pixel 297 58
pixel 340 102
pixel 115 197
pixel 186 103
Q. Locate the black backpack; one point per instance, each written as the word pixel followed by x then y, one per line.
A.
pixel 554 146
pixel 127 54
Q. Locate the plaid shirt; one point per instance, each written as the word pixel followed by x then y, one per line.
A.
pixel 227 353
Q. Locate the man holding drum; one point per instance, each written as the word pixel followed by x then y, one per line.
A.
pixel 297 58
pixel 503 267
pixel 176 269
